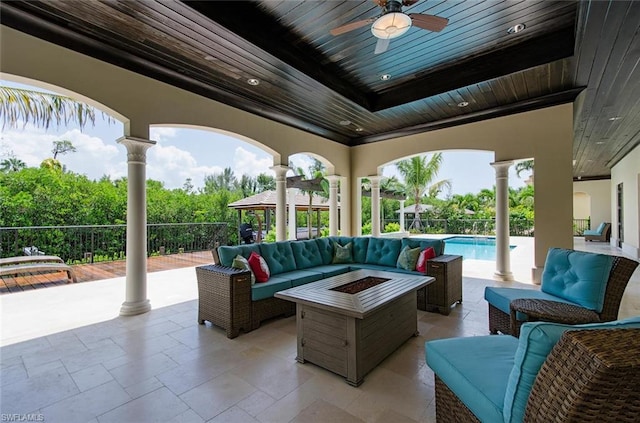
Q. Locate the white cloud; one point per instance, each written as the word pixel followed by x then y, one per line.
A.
pixel 174 166
pixel 162 133
pixel 247 163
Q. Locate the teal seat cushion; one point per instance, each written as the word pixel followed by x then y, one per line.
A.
pixel 577 276
pixel 476 369
pixel 329 270
pixel 424 243
pixel 263 290
pixel 500 298
pixel 279 256
pixel 383 251
pixel 301 277
pixel 306 254
pixel 227 253
pixel 325 247
pixel 536 341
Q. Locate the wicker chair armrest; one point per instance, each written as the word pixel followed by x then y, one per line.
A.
pixel 590 375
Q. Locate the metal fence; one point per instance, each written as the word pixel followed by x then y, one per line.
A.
pixel 580 225
pixel 88 244
pixel 517 227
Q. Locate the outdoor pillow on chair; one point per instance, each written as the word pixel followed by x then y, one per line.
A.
pixel 408 258
pixel 342 254
pixel 259 267
pixel 426 254
pixel 242 263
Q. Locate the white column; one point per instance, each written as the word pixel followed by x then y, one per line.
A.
pixel 281 201
pixel 293 229
pixel 503 255
pixel 375 205
pixel 334 181
pixel 136 301
pixel 345 209
pixel 402 227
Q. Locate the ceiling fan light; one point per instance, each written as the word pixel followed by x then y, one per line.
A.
pixel 391 25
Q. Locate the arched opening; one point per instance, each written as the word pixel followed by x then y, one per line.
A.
pixel 581 212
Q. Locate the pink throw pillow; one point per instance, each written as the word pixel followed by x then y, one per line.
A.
pixel 426 254
pixel 259 267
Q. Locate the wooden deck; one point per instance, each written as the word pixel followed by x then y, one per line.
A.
pixel 98 271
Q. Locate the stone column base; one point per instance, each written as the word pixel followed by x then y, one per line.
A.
pixel 536 275
pixel 503 276
pixel 132 309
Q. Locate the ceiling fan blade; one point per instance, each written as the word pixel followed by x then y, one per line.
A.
pixel 351 26
pixel 428 22
pixel 381 46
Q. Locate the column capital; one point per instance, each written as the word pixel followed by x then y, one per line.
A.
pixel 280 170
pixel 136 148
pixel 502 168
pixel 333 178
pixel 375 180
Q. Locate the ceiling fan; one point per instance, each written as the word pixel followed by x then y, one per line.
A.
pixel 393 22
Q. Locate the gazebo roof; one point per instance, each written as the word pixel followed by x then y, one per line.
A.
pixel 267 200
pixel 412 208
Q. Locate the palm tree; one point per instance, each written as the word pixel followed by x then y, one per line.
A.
pixel 316 171
pixel 418 175
pixel 12 164
pixel 523 166
pixel 62 147
pixel 41 109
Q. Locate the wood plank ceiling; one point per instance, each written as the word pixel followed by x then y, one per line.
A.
pixel 332 85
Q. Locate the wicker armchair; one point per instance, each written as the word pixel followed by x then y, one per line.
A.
pixel 590 375
pixel 619 276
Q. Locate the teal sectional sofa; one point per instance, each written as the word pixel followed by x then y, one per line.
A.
pixel 229 300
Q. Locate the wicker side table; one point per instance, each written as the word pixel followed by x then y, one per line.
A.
pixel 549 311
pixel 447 288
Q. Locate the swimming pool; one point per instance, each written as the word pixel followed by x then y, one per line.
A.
pixel 475 248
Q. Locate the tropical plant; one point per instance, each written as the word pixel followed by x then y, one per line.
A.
pixel 523 166
pixel 418 175
pixel 315 171
pixel 62 147
pixel 12 164
pixel 42 109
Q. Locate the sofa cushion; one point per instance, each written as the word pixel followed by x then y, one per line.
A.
pixel 227 253
pixel 242 263
pixel 342 254
pixel 577 276
pixel 279 256
pixel 329 270
pixel 425 255
pixel 437 244
pixel 383 251
pixel 259 267
pixel 408 258
pixel 536 341
pixel 261 291
pixel 306 254
pixel 325 247
pixel 301 277
pixel 360 246
pixel 500 298
pixel 476 369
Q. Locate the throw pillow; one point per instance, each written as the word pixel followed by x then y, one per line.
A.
pixel 259 267
pixel 342 254
pixel 426 254
pixel 408 258
pixel 241 263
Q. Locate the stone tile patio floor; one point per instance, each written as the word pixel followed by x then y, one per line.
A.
pixel 67 356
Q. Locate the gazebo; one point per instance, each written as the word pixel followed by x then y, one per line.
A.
pixel 265 202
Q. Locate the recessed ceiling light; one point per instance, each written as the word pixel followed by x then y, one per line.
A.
pixel 209 58
pixel 463 104
pixel 385 77
pixel 615 118
pixel 359 129
pixel 600 142
pixel 516 28
pixel 253 81
pixel 345 122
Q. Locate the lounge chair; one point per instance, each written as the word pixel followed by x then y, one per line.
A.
pixel 602 233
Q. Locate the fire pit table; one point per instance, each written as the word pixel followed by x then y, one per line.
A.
pixel 349 323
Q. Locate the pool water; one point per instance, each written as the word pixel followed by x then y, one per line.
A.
pixel 475 248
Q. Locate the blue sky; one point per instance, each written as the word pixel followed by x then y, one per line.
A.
pixel 185 153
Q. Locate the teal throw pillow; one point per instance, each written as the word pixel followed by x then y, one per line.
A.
pixel 242 263
pixel 408 258
pixel 342 254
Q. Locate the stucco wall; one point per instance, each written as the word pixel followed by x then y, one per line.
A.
pixel 627 172
pixel 599 197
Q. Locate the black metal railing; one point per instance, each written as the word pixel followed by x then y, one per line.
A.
pixel 581 225
pixel 517 227
pixel 89 244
